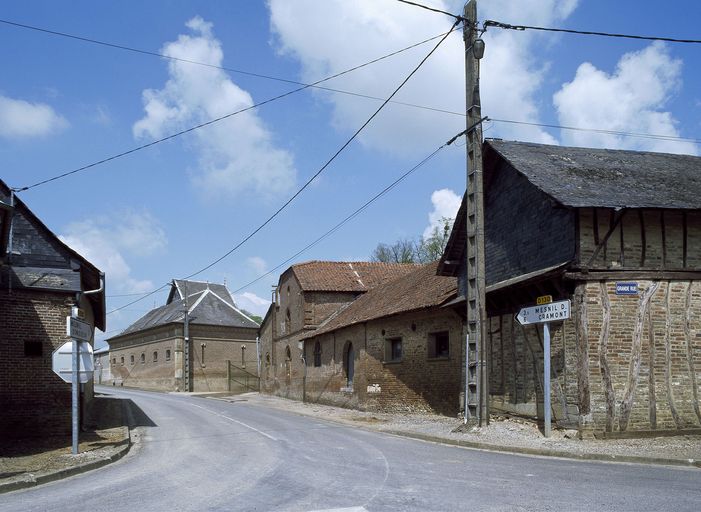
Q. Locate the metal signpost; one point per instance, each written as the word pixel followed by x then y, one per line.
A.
pixel 75 358
pixel 544 313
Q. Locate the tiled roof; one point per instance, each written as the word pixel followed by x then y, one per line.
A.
pixel 606 178
pixel 338 276
pixel 419 289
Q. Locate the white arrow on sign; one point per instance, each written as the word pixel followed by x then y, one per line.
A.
pixel 553 312
pixel 62 362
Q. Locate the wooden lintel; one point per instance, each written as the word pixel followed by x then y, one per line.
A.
pixel 653 275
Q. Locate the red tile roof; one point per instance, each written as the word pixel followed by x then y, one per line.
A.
pixel 419 289
pixel 339 276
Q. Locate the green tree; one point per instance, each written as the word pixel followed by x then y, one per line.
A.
pixel 418 250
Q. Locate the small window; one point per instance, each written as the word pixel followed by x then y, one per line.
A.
pixel 438 344
pixel 393 349
pixel 267 359
pixel 131 358
pixel 33 348
pixel 288 354
pixel 143 358
pixel 243 356
pixel 168 355
pixel 114 361
pixel 317 354
pixel 155 357
pixel 121 360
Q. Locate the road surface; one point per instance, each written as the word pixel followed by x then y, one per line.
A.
pixel 202 454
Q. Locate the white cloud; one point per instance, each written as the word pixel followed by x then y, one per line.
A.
pixel 252 303
pixel 630 99
pixel 235 155
pixel 258 264
pixel 103 240
pixel 445 206
pixel 19 118
pixel 511 77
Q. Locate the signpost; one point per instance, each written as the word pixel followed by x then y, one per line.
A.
pixel 544 313
pixel 73 362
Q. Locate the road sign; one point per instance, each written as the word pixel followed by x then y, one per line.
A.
pixel 62 361
pixel 630 288
pixel 552 312
pixel 544 299
pixel 77 329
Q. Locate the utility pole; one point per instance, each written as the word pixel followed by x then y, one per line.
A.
pixel 475 371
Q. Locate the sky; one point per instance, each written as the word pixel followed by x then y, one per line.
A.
pixel 174 208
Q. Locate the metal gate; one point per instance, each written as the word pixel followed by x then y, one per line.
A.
pixel 241 380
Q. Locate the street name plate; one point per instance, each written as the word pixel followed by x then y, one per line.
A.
pixel 553 312
pixel 78 329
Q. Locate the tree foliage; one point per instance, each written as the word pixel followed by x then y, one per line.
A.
pixel 415 250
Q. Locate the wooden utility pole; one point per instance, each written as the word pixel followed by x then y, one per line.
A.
pixel 476 374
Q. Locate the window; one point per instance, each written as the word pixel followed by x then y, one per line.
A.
pixel 288 354
pixel 243 356
pixel 155 357
pixel 33 349
pixel 288 323
pixel 349 365
pixel 121 360
pixel 438 344
pixel 114 361
pixel 168 355
pixel 143 358
pixel 131 358
pixel 317 354
pixel 267 359
pixel 393 350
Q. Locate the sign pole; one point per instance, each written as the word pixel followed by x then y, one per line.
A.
pixel 546 378
pixel 75 397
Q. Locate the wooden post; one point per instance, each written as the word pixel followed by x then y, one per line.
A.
pixel 476 371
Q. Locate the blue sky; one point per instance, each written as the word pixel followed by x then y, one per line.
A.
pixel 167 211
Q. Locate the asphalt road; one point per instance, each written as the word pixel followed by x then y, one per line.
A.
pixel 202 454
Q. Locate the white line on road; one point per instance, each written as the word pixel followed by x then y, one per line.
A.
pixel 235 421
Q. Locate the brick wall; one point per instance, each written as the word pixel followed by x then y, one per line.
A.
pixel 222 344
pixel 35 401
pixel 417 382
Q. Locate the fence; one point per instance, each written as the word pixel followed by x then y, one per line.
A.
pixel 241 380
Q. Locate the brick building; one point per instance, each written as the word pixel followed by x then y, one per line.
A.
pixel 307 294
pixel 153 353
pixel 41 278
pixel 392 349
pixel 619 234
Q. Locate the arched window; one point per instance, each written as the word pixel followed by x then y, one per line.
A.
pixel 143 358
pixel 317 354
pixel 267 359
pixel 288 322
pixel 121 360
pixel 288 365
pixel 167 354
pixel 131 358
pixel 155 357
pixel 288 354
pixel 114 361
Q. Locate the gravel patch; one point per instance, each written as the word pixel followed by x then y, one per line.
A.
pixel 503 433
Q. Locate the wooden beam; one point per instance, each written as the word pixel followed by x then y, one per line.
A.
pixel 614 223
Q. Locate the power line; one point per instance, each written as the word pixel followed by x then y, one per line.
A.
pixel 226 116
pixel 507 26
pixel 310 180
pixel 223 68
pixel 328 162
pixel 360 209
pixel 148 294
pixel 601 130
pixel 422 6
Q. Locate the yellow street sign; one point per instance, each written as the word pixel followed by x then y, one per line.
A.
pixel 544 299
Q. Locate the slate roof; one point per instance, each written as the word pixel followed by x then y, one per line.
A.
pixel 606 178
pixel 179 287
pixel 206 307
pixel 419 289
pixel 339 276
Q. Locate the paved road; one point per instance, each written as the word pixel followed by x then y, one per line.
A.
pixel 203 454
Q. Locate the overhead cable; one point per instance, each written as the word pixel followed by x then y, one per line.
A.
pixel 309 181
pixel 508 26
pixel 361 208
pixel 226 116
pixel 416 4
